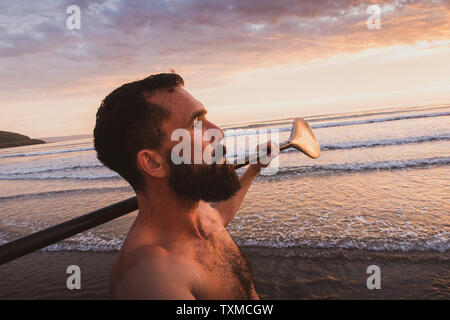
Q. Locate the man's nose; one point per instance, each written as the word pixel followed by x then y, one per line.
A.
pixel 213 126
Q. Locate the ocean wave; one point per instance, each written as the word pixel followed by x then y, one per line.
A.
pixel 358 167
pixel 65 192
pixel 43 153
pixel 109 239
pixel 378 143
pixel 282 171
pixel 87 242
pixel 403 246
pixel 64 175
pixel 325 147
pixel 387 142
pixel 241 132
pixel 50 169
pixel 386 119
pixel 22 173
pixel 95 243
pixel 439 244
pixel 312 119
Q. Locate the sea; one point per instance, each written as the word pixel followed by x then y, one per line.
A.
pixel 382 183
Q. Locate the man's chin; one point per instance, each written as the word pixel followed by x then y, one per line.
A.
pixel 211 183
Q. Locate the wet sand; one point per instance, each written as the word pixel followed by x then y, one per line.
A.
pixel 278 274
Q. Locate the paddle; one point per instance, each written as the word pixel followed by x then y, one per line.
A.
pixel 302 138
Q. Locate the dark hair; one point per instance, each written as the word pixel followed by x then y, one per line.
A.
pixel 127 122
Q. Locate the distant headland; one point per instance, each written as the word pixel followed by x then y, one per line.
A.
pixel 11 139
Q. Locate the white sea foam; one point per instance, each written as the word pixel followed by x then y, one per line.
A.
pixel 43 153
pixel 96 243
pixel 65 192
pixel 434 244
pixel 387 142
pixel 367 166
pixel 49 169
pixel 104 173
pixel 239 132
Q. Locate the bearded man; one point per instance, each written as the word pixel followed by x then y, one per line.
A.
pixel 178 247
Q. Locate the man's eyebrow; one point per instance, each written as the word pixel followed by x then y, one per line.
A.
pixel 196 114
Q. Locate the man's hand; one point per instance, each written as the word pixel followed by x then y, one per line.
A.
pixel 269 150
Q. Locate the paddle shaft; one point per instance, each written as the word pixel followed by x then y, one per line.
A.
pixel 242 162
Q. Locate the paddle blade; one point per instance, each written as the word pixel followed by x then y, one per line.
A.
pixel 302 138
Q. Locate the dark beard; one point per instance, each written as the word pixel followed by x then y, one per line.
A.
pixel 211 183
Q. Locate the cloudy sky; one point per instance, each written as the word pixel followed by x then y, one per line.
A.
pixel 244 59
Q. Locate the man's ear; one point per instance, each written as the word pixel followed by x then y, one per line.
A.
pixel 152 163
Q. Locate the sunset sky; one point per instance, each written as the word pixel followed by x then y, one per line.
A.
pixel 245 60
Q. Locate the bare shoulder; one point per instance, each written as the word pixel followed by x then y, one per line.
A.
pixel 150 272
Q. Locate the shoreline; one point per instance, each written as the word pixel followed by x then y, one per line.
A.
pixel 14 144
pixel 278 274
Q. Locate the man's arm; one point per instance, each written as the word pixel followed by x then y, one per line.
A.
pixel 229 208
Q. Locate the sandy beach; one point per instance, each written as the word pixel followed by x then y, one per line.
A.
pixel 278 274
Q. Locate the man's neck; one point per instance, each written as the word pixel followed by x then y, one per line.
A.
pixel 169 215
